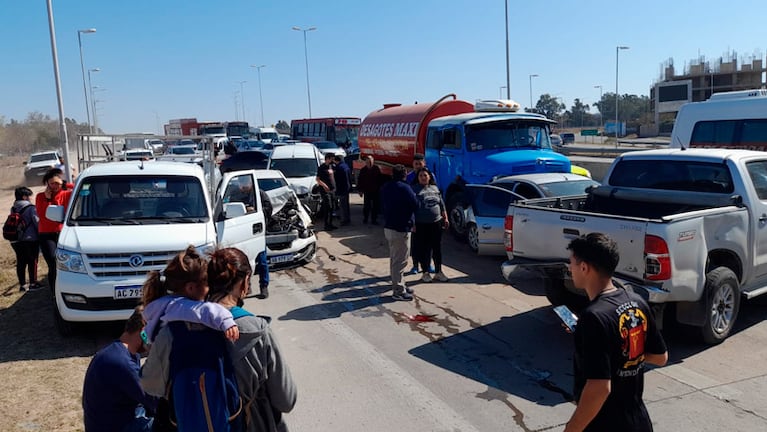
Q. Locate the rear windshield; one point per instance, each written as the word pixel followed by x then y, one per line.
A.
pixel 43 157
pixel 292 168
pixel 672 175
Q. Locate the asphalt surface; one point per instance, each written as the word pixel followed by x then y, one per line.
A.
pixel 474 354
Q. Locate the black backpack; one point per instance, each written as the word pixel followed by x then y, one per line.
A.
pixel 14 225
pixel 202 394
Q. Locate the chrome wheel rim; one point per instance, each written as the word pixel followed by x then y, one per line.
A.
pixel 722 309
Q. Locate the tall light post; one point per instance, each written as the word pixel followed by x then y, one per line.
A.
pixel 617 50
pixel 242 101
pixel 59 98
pixel 82 68
pixel 306 57
pixel 531 89
pixel 93 104
pixel 508 80
pixel 260 96
pixel 601 119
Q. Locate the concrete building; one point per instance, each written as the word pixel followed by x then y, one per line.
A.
pixel 698 80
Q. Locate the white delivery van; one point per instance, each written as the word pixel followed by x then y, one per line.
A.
pixel 266 134
pixel 299 163
pixel 127 218
pixel 731 120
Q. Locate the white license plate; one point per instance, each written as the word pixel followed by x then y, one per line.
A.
pixel 280 259
pixel 127 292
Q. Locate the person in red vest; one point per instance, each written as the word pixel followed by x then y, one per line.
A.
pixel 56 193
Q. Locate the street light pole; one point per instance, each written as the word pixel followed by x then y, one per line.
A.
pixel 531 90
pixel 242 101
pixel 260 96
pixel 82 69
pixel 59 98
pixel 93 103
pixel 508 80
pixel 601 119
pixel 617 50
pixel 306 58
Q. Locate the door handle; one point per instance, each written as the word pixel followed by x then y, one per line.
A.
pixel 486 226
pixel 258 227
pixel 763 218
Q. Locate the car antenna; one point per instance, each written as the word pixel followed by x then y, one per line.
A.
pixel 680 143
pixel 141 164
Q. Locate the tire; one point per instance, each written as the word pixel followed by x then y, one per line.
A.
pixel 722 297
pixel 456 216
pixel 65 328
pixel 472 237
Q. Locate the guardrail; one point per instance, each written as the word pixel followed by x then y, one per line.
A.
pixel 607 150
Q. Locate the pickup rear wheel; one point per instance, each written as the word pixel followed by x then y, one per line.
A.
pixel 722 304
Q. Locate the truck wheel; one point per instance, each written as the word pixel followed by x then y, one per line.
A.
pixel 722 305
pixel 557 295
pixel 472 237
pixel 456 215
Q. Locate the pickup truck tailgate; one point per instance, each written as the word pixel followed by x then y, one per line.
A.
pixel 543 234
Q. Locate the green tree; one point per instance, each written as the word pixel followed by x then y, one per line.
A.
pixel 549 106
pixel 631 108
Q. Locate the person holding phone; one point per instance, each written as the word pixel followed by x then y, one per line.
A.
pixel 615 336
pixel 430 220
pixel 55 193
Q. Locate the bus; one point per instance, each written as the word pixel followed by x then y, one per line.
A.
pixel 341 130
pixel 234 128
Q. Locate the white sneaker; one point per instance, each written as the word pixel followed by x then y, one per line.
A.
pixel 441 277
pixel 425 277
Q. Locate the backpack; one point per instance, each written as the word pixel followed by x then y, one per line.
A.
pixel 202 393
pixel 14 225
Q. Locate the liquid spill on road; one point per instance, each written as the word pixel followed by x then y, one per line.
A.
pixel 493 394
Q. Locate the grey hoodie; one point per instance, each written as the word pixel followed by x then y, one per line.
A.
pixel 30 218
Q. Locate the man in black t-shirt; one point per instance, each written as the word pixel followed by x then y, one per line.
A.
pixel 614 338
pixel 326 180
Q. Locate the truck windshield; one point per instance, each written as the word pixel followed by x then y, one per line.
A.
pixel 143 199
pixel 507 135
pixel 345 136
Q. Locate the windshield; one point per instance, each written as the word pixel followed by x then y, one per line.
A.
pixel 292 168
pixel 182 150
pixel 512 134
pixel 346 135
pixel 565 188
pixel 44 157
pixel 268 135
pixel 212 130
pixel 138 200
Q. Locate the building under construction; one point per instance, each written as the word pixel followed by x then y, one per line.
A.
pixel 700 78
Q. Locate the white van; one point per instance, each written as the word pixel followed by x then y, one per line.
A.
pixel 266 134
pixel 128 218
pixel 731 119
pixel 299 163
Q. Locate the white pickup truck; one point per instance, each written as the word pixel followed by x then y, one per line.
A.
pixel 127 218
pixel 691 227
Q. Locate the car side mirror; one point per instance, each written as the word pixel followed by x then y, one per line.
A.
pixel 55 213
pixel 233 210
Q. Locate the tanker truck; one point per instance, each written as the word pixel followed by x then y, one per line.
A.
pixel 463 143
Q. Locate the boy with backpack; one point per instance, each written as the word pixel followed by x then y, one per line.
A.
pixel 20 229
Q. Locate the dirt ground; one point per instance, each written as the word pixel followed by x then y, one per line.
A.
pixel 42 372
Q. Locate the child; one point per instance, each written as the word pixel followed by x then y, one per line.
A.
pixel 27 247
pixel 178 293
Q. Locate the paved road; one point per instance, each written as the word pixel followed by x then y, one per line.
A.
pixel 474 354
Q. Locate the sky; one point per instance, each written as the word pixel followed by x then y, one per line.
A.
pixel 169 59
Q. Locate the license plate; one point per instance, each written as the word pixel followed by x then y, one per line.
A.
pixel 280 259
pixel 128 292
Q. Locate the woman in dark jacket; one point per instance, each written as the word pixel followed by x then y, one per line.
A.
pixel 26 247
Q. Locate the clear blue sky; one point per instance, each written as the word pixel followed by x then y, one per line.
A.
pixel 185 58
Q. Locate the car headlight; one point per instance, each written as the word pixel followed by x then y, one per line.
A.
pixel 69 261
pixel 206 250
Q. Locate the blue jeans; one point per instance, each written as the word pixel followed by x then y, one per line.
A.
pixel 141 423
pixel 262 267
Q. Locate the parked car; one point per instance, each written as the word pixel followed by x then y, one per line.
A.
pixel 38 164
pixel 488 204
pixel 137 154
pixel 289 240
pixel 556 140
pixel 182 153
pixel 244 160
pixel 329 147
pixel 568 138
pixel 158 146
pixel 299 163
pixel 249 145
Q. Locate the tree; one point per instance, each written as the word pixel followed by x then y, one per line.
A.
pixel 282 127
pixel 549 106
pixel 631 108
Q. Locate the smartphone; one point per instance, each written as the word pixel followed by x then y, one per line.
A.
pixel 567 316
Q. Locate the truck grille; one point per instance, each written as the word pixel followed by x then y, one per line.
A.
pixel 110 265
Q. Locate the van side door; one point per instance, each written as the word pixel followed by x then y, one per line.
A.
pixel 245 230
